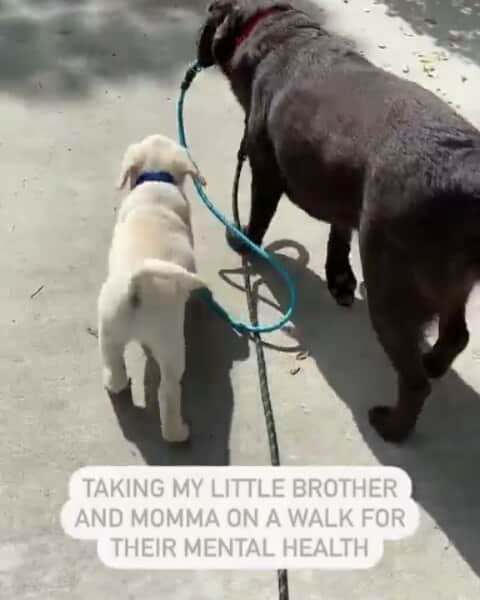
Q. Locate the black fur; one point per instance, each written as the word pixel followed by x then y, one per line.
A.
pixel 360 148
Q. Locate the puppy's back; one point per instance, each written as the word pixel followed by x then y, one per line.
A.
pixel 152 225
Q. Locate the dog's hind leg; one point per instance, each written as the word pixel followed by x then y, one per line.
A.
pixel 453 338
pixel 398 315
pixel 168 349
pixel 340 278
pixel 400 336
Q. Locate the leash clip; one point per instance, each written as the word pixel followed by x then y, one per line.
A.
pixel 190 76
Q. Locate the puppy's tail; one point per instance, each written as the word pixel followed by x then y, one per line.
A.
pixel 157 278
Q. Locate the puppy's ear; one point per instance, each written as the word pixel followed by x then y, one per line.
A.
pixel 130 166
pixel 185 166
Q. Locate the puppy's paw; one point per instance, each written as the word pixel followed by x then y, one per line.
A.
pixel 202 180
pixel 177 434
pixel 342 285
pixel 386 423
pixel 235 243
pixel 115 382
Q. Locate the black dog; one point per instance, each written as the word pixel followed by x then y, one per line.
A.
pixel 362 149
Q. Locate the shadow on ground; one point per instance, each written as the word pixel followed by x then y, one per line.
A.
pixel 212 348
pixel 441 455
pixel 65 48
pixel 454 24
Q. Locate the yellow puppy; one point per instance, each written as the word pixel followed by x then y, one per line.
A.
pixel 151 273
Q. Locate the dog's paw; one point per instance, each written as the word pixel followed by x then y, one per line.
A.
pixel 114 382
pixel 387 425
pixel 342 285
pixel 434 365
pixel 176 435
pixel 235 243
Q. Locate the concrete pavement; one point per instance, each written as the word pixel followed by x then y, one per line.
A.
pixel 81 79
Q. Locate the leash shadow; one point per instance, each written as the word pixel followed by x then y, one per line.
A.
pixel 440 455
pixel 211 349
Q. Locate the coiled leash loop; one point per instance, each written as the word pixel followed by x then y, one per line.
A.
pixel 238 325
pixel 254 328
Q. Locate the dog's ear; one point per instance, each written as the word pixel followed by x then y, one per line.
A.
pixel 130 166
pixel 216 38
pixel 225 20
pixel 184 165
pixel 223 43
pixel 204 46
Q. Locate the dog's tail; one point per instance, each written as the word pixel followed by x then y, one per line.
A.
pixel 157 278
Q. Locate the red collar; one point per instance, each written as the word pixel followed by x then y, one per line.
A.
pixel 253 22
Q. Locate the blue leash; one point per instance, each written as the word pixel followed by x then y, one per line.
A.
pixel 238 325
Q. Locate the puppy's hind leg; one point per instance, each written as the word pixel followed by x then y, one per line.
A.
pixel 169 351
pixel 340 278
pixel 111 340
pixel 112 348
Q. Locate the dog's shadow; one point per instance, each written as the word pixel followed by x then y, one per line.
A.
pixel 441 454
pixel 211 349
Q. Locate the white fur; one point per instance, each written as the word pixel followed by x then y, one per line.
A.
pixel 151 274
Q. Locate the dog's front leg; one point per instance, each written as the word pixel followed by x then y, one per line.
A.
pixel 340 278
pixel 266 190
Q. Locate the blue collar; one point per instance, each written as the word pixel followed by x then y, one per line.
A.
pixel 162 176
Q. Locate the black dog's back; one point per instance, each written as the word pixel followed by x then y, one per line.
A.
pixel 337 120
pixel 354 143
